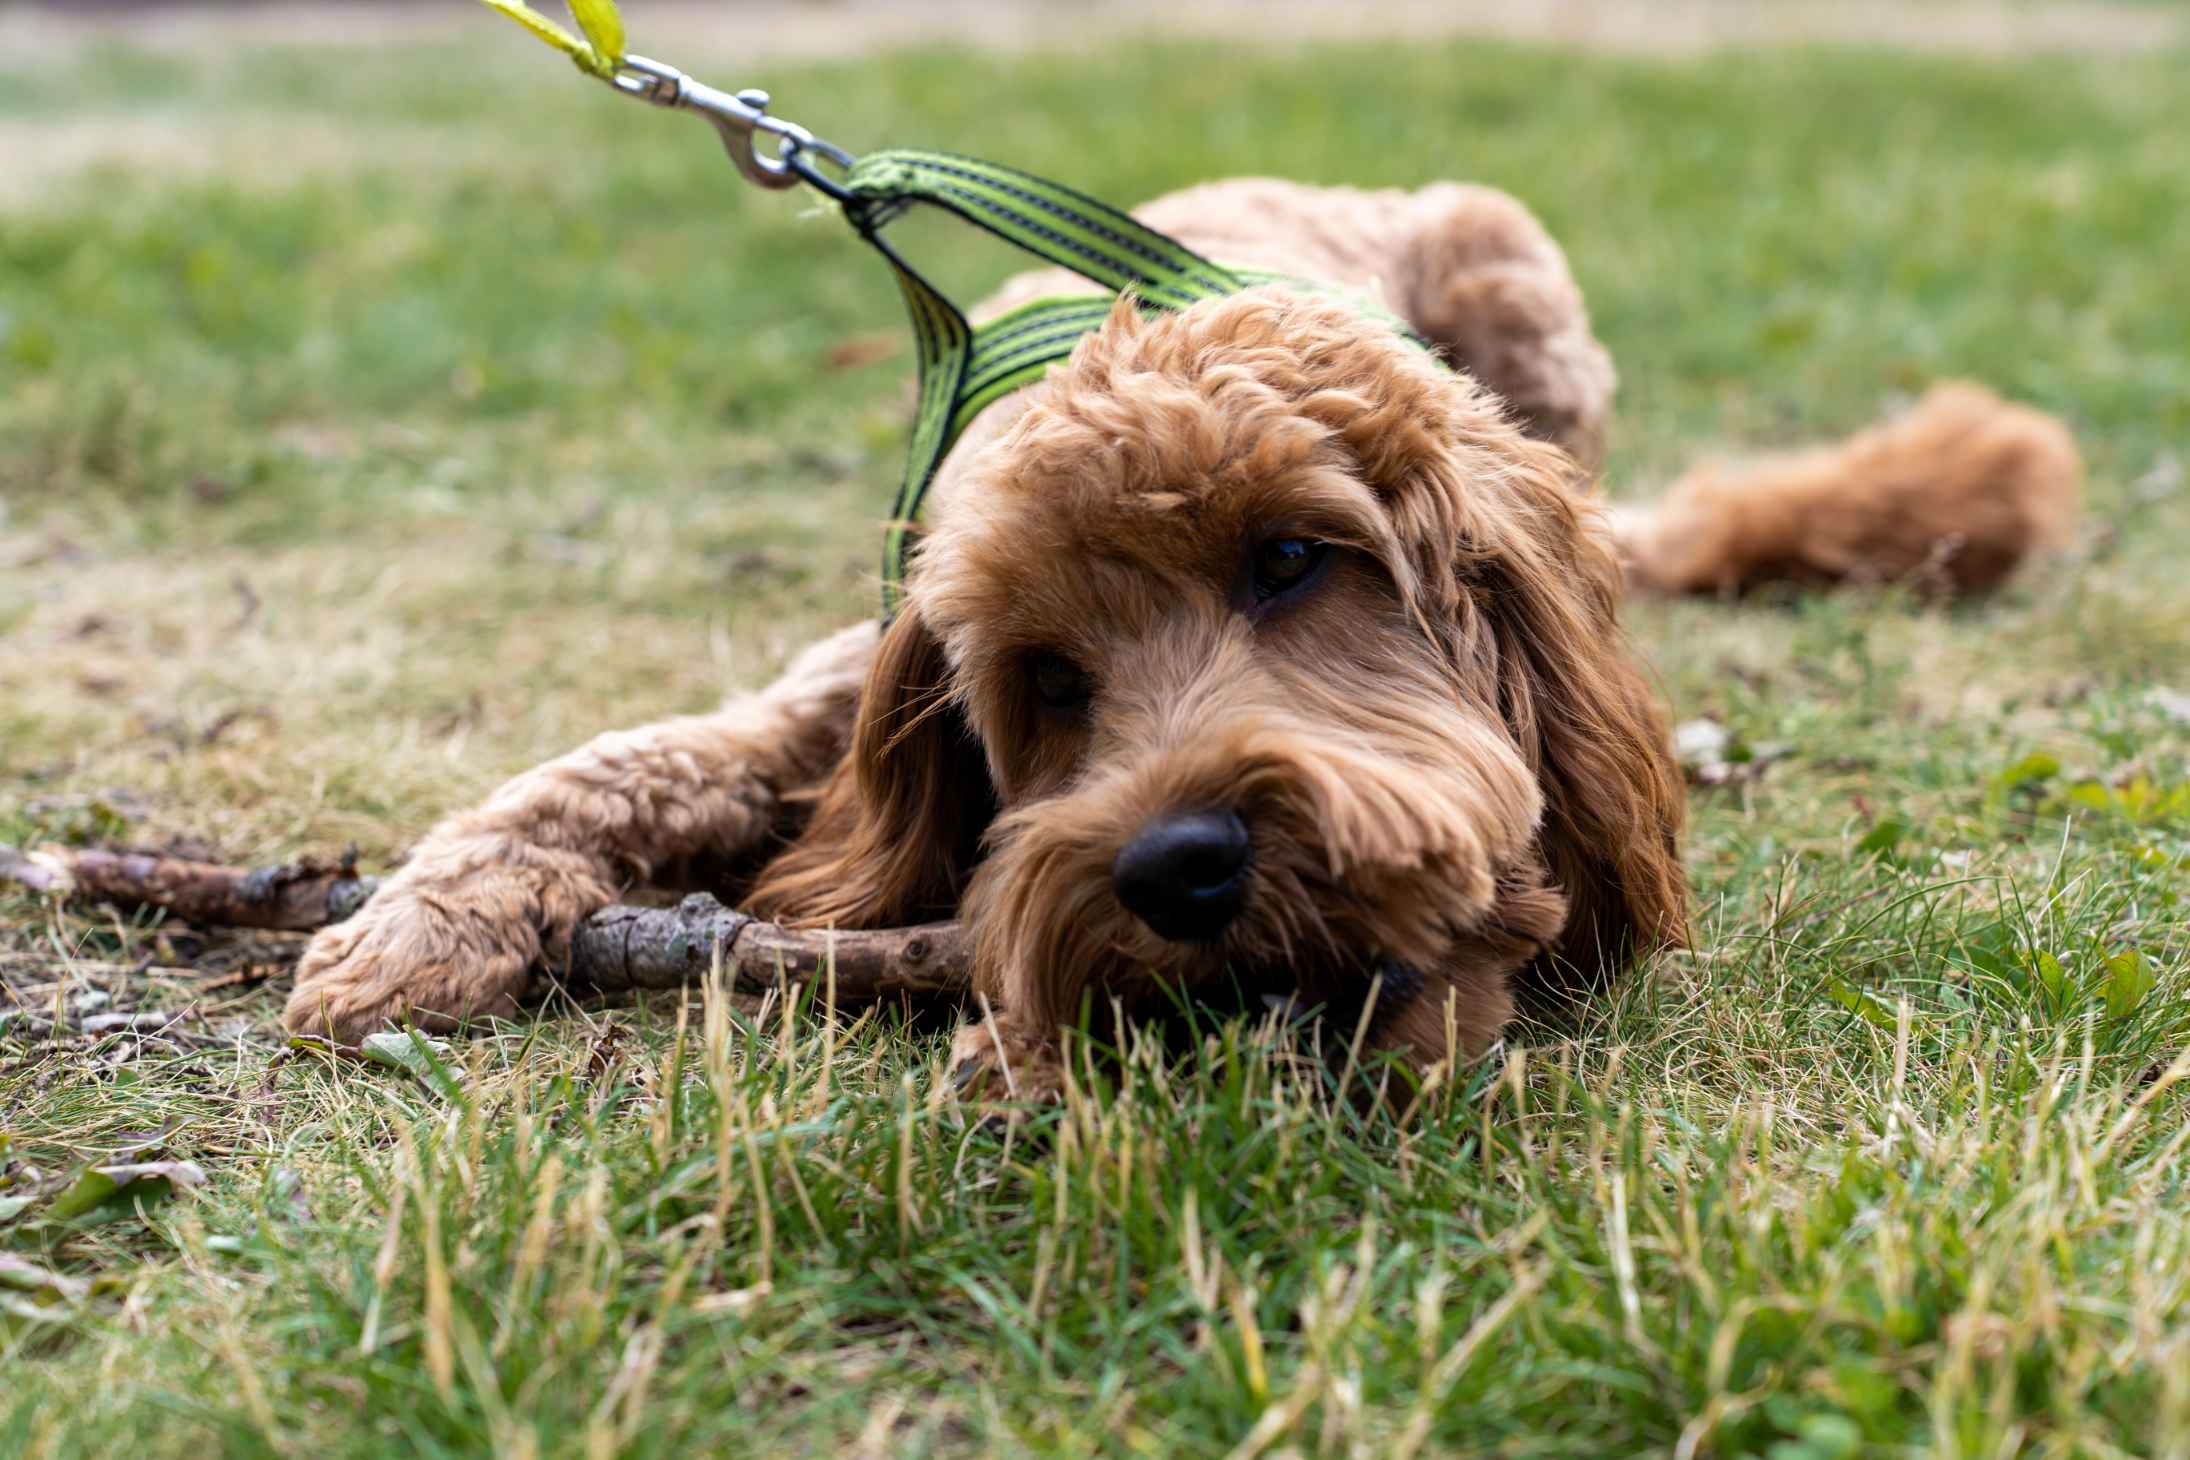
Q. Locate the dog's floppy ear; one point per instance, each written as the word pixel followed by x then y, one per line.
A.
pixel 1504 537
pixel 898 825
pixel 1547 581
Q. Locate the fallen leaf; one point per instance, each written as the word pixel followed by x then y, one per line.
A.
pixel 115 1190
pixel 399 1050
pixel 2032 770
pixel 1863 1004
pixel 1883 837
pixel 606 1050
pixel 2128 979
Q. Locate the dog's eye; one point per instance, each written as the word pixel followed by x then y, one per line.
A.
pixel 1285 562
pixel 1058 682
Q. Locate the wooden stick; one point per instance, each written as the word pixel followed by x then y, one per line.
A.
pixel 616 948
pixel 295 897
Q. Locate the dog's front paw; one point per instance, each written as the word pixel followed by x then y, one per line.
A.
pixel 437 956
pixel 990 1063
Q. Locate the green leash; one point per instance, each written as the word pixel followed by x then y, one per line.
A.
pixel 963 369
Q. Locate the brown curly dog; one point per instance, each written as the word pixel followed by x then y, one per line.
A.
pixel 1254 642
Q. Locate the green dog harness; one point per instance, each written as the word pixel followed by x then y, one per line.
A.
pixel 963 368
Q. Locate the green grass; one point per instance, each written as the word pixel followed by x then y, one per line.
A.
pixel 468 418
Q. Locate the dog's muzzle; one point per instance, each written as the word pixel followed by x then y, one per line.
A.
pixel 1185 874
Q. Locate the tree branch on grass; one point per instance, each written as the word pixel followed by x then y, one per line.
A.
pixel 616 948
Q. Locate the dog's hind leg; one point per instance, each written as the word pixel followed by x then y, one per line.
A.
pixel 1952 497
pixel 1467 266
pixel 1480 278
pixel 492 891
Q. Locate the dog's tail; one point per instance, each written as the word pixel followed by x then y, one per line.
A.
pixel 1952 497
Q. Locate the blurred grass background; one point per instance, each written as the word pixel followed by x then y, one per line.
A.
pixel 377 418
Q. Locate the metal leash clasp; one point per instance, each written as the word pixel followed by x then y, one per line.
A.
pixel 736 117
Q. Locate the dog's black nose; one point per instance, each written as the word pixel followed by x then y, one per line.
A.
pixel 1185 875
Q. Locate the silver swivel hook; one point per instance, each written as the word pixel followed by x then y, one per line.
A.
pixel 737 117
